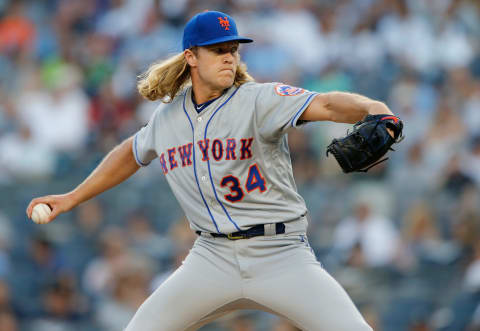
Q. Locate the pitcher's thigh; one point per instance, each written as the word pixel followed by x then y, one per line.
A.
pixel 190 294
pixel 310 298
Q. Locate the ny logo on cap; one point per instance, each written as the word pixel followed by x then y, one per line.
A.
pixel 224 22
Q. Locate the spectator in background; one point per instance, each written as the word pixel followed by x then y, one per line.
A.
pixel 268 60
pixel 298 41
pixel 58 117
pixel 24 158
pixel 355 277
pixel 415 101
pixel 110 118
pixel 423 239
pixel 413 179
pixel 181 240
pixel 130 288
pixel 399 21
pixel 33 270
pixel 17 31
pixel 144 239
pixel 365 230
pixel 464 308
pixel 114 255
pixel 454 178
pixel 44 263
pixel 63 308
pixel 305 163
pixel 444 136
pixel 82 246
pixel 125 18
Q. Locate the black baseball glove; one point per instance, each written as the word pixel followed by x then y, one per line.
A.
pixel 361 149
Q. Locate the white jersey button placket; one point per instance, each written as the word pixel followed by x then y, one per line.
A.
pixel 202 165
pixel 199 129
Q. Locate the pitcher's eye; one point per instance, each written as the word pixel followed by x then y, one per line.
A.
pixel 224 50
pixel 219 50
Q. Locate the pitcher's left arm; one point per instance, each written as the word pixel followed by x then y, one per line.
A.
pixel 342 107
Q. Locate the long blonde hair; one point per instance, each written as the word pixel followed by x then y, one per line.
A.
pixel 164 79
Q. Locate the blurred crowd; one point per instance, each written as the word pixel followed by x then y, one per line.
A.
pixel 403 239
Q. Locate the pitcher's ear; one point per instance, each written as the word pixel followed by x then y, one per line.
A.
pixel 190 57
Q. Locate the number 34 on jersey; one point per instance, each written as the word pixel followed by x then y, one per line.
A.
pixel 229 149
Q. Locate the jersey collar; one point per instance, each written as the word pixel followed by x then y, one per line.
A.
pixel 206 106
pixel 200 107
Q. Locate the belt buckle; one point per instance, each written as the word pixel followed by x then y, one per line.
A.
pixel 231 236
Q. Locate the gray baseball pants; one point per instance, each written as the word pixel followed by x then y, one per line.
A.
pixel 278 274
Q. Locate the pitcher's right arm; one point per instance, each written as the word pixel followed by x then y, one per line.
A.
pixel 116 167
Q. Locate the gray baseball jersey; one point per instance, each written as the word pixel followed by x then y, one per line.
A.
pixel 229 165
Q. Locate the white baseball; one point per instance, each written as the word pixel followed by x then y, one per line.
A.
pixel 40 213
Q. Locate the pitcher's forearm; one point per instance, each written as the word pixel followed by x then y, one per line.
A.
pixel 342 107
pixel 350 107
pixel 116 167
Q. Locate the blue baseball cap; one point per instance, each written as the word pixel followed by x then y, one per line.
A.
pixel 211 27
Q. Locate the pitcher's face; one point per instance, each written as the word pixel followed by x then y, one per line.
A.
pixel 216 65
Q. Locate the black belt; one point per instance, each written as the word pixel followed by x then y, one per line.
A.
pixel 257 230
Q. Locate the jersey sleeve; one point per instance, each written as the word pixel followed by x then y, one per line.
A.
pixel 144 143
pixel 279 106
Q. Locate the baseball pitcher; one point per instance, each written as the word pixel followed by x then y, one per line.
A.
pixel 222 146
